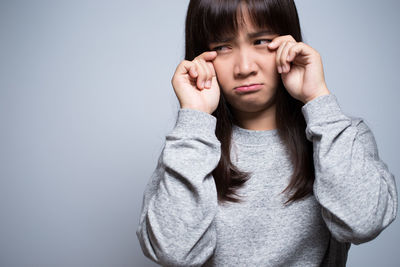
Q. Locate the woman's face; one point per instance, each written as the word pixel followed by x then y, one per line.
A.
pixel 246 68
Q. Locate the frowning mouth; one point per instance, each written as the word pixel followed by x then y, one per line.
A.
pixel 248 88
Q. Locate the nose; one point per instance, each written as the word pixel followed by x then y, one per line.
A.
pixel 245 64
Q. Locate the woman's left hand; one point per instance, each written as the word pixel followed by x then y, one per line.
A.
pixel 300 67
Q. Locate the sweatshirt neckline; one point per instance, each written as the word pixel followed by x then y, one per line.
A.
pixel 253 137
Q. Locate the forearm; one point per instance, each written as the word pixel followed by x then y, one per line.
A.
pixel 176 226
pixel 354 186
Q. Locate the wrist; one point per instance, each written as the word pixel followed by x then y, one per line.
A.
pixel 321 92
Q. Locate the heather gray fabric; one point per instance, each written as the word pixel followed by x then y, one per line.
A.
pixel 355 195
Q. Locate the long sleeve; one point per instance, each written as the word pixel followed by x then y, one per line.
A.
pixel 176 225
pixel 357 192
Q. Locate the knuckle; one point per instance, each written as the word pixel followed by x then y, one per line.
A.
pixel 183 63
pixel 290 37
pixel 303 44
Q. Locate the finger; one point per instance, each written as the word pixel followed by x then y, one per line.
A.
pixel 284 57
pixel 299 49
pixel 211 72
pixel 205 73
pixel 193 72
pixel 208 55
pixel 207 79
pixel 211 68
pixel 278 57
pixel 185 67
pixel 202 74
pixel 277 41
pixel 303 53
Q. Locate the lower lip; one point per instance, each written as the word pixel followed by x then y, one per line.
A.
pixel 251 88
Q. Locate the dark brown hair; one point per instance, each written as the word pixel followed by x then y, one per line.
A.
pixel 208 21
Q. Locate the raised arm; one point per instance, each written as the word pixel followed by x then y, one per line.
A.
pixel 180 201
pixel 354 186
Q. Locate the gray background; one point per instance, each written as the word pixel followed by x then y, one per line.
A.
pixel 86 101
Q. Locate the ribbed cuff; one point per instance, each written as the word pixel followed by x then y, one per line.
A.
pixel 321 109
pixel 191 121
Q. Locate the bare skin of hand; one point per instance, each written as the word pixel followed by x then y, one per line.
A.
pixel 195 83
pixel 301 68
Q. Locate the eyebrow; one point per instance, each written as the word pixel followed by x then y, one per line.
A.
pixel 251 35
pixel 260 33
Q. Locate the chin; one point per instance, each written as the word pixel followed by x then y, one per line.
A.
pixel 252 102
pixel 253 106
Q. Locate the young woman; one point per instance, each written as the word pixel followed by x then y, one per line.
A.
pixel 262 167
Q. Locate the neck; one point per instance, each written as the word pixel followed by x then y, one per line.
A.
pixel 259 120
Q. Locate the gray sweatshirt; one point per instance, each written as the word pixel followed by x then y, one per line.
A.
pixel 182 224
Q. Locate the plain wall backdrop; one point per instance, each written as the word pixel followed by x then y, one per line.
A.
pixel 86 101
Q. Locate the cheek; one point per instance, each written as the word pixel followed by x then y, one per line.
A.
pixel 223 72
pixel 269 66
pixel 270 61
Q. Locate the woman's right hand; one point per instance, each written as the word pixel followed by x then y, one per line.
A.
pixel 195 83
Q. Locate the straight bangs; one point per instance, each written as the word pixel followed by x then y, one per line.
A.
pixel 217 20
